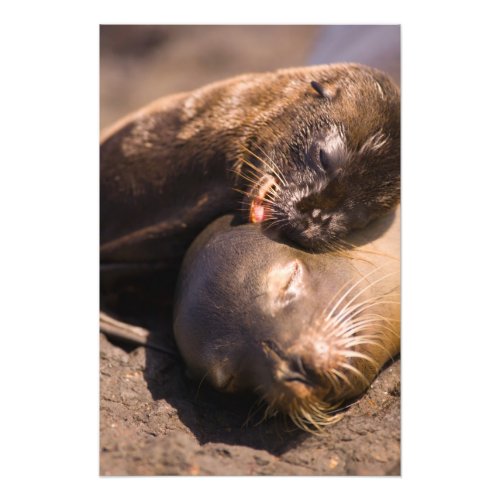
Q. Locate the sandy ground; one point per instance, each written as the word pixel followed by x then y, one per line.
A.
pixel 153 420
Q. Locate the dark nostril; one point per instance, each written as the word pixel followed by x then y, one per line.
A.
pixel 297 365
pixel 301 370
pixel 297 372
pixel 297 377
pixel 311 373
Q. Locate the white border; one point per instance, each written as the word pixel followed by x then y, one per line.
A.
pixel 49 206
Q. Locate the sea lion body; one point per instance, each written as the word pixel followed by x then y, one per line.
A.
pixel 316 159
pixel 305 331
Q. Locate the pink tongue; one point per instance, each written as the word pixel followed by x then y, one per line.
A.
pixel 257 213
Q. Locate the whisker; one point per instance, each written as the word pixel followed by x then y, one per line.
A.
pixel 355 354
pixel 373 283
pixel 354 370
pixel 344 296
pixel 342 376
pixel 273 167
pixel 356 309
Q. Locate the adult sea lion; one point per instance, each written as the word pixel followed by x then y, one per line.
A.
pixel 305 331
pixel 313 151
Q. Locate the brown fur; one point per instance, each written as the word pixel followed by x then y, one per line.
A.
pixel 306 332
pixel 170 168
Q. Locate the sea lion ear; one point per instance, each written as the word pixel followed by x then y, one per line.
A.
pixel 320 89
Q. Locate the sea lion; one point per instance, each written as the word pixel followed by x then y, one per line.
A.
pixel 307 332
pixel 313 151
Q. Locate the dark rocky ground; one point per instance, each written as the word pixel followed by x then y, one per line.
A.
pixel 156 421
pixel 153 420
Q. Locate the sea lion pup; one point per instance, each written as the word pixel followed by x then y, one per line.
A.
pixel 307 332
pixel 313 151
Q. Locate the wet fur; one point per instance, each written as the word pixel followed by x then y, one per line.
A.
pixel 175 165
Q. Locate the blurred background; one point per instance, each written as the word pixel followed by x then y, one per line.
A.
pixel 139 63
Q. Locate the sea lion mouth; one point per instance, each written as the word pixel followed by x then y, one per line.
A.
pixel 259 209
pixel 297 390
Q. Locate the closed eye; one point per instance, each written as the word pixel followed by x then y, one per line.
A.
pixel 325 161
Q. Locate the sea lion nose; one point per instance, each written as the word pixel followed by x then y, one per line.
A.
pixel 326 199
pixel 291 367
pixel 307 372
pixel 308 204
pixel 297 373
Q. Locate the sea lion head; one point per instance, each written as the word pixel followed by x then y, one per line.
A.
pixel 329 161
pixel 303 331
